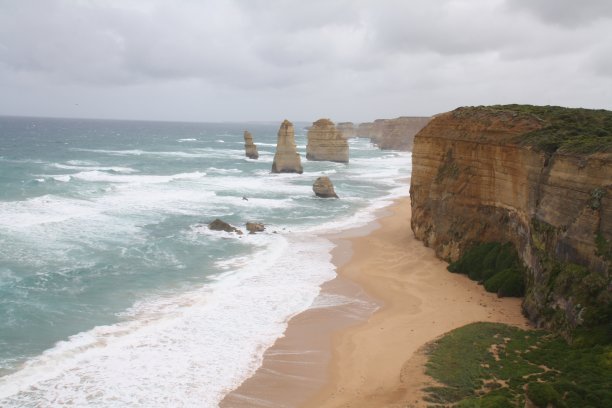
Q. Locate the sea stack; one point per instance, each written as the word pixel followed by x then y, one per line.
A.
pixel 325 143
pixel 250 148
pixel 286 158
pixel 347 129
pixel 324 188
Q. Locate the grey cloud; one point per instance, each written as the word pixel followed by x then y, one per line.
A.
pixel 318 56
pixel 570 13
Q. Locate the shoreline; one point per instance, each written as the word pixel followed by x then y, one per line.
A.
pixel 365 352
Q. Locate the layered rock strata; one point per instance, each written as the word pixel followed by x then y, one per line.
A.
pixel 286 158
pixel 474 179
pixel 324 188
pixel 250 148
pixel 347 129
pixel 325 143
pixel 393 134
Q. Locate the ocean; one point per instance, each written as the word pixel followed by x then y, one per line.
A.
pixel 113 291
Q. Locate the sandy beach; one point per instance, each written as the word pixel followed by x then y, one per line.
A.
pixel 347 356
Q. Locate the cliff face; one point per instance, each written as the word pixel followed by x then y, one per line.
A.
pixel 286 158
pixel 474 179
pixel 325 143
pixel 393 134
pixel 347 129
pixel 398 134
pixel 250 148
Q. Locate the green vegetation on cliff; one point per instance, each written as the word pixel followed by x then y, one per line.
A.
pixel 496 265
pixel 567 130
pixel 494 365
pixel 568 295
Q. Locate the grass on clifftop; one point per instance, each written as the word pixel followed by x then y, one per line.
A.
pixel 492 365
pixel 569 130
pixel 496 265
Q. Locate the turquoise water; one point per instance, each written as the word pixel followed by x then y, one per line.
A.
pixel 112 290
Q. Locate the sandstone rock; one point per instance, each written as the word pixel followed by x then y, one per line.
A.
pixel 324 188
pixel 347 129
pixel 398 134
pixel 393 134
pixel 254 227
pixel 220 225
pixel 473 182
pixel 250 148
pixel 286 158
pixel 370 130
pixel 325 143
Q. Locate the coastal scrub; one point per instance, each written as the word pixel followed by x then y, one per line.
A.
pixel 496 365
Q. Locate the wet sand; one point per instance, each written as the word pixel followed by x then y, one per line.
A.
pixel 345 356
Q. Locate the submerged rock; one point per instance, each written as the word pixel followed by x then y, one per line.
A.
pixel 220 225
pixel 325 143
pixel 254 227
pixel 324 188
pixel 286 158
pixel 250 148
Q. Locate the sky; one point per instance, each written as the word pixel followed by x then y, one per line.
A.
pixel 267 60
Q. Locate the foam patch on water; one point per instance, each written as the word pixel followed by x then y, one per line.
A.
pixel 90 167
pixel 184 350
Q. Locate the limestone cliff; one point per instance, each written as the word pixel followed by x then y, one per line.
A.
pixel 347 129
pixel 393 134
pixel 538 177
pixel 250 148
pixel 325 143
pixel 286 158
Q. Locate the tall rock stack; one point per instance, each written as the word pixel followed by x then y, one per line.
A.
pixel 286 158
pixel 250 148
pixel 325 143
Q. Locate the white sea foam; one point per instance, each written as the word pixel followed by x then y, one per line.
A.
pixel 187 140
pixel 185 350
pixel 191 154
pixel 96 175
pixel 91 167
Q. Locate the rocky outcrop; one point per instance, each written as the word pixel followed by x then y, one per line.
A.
pixel 347 129
pixel 393 134
pixel 220 225
pixel 325 143
pixel 286 158
pixel 250 148
pixel 477 178
pixel 324 188
pixel 370 130
pixel 254 227
pixel 398 134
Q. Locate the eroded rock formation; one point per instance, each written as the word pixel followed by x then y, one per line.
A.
pixel 250 148
pixel 324 188
pixel 393 134
pixel 347 129
pixel 220 225
pixel 325 143
pixel 286 158
pixel 254 227
pixel 477 178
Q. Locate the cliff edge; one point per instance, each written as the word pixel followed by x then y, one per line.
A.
pixel 537 177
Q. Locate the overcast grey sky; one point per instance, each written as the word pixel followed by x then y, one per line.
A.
pixel 239 60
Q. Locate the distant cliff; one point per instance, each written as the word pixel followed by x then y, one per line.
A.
pixel 392 134
pixel 537 177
